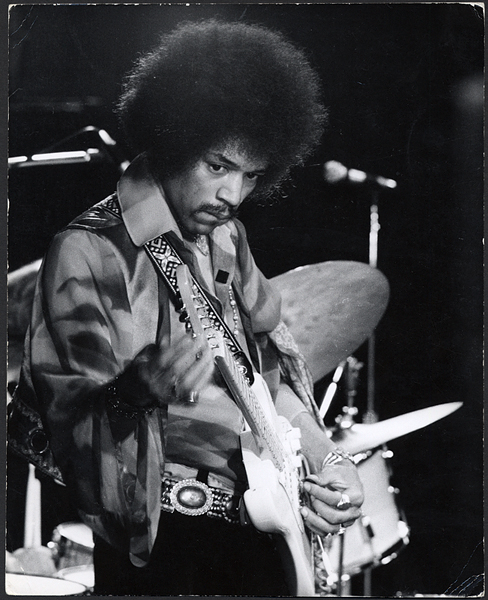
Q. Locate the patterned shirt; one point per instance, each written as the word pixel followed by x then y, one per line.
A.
pixel 99 301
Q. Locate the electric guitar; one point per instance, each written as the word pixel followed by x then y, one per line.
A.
pixel 270 449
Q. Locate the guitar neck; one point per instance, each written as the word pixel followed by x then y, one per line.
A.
pixel 233 373
pixel 250 406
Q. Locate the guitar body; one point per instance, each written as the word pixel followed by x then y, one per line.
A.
pixel 273 502
pixel 270 452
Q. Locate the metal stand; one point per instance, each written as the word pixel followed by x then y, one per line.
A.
pixel 370 415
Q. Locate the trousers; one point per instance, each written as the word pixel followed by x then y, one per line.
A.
pixel 194 556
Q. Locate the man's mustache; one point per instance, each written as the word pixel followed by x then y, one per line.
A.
pixel 222 212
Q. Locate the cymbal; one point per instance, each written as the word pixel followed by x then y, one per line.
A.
pixel 364 436
pixel 331 308
pixel 21 285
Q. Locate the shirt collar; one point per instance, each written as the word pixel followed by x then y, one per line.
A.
pixel 146 214
pixel 145 211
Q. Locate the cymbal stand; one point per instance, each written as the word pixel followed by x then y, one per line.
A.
pixel 345 421
pixel 351 371
pixel 331 390
pixel 340 570
pixel 370 415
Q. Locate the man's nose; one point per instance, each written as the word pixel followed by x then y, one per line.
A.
pixel 231 189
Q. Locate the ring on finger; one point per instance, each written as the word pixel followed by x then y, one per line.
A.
pixel 344 502
pixel 193 397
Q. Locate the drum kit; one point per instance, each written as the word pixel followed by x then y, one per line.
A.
pixel 331 309
pixel 63 568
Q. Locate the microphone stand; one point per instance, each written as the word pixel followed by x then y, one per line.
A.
pixel 53 155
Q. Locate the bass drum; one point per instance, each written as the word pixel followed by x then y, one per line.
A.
pixel 17 584
pixel 377 537
pixel 72 545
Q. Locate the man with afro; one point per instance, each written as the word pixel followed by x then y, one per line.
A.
pixel 142 425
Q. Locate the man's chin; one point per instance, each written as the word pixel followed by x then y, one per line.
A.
pixel 191 230
pixel 204 223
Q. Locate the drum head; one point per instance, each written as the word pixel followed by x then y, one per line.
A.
pixel 76 532
pixel 17 584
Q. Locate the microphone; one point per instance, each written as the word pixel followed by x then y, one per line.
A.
pixel 335 172
pixel 51 156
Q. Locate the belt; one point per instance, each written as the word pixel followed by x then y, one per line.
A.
pixel 193 498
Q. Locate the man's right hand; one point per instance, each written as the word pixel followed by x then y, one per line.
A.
pixel 169 373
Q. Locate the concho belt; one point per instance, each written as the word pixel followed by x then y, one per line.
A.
pixel 194 498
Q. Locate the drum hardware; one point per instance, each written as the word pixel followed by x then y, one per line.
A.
pixel 377 537
pixel 33 558
pixel 331 390
pixel 71 545
pixel 344 422
pixel 370 416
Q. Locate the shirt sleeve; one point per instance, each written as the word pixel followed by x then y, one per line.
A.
pixel 81 338
pixel 288 404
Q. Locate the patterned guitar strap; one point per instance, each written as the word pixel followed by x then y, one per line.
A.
pixel 166 259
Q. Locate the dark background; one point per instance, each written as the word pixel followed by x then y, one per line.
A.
pixel 404 87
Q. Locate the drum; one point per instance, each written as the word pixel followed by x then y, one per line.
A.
pixel 83 574
pixel 17 584
pixel 376 537
pixel 72 545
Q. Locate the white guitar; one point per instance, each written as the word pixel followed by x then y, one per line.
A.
pixel 270 450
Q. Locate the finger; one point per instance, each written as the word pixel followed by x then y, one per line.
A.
pixel 196 358
pixel 318 524
pixel 326 494
pixel 334 497
pixel 171 361
pixel 333 515
pixel 337 477
pixel 349 523
pixel 191 373
pixel 195 379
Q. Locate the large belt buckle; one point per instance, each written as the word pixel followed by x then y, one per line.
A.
pixel 191 497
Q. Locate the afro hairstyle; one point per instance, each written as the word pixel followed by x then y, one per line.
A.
pixel 209 83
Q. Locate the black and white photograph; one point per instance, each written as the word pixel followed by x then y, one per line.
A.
pixel 245 300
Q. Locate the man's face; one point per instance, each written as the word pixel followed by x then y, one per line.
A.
pixel 209 193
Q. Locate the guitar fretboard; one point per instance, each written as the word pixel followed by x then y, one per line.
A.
pixel 236 380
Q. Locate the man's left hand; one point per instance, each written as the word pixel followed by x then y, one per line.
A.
pixel 335 497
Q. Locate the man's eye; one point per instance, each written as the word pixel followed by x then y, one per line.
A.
pixel 215 168
pixel 253 176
